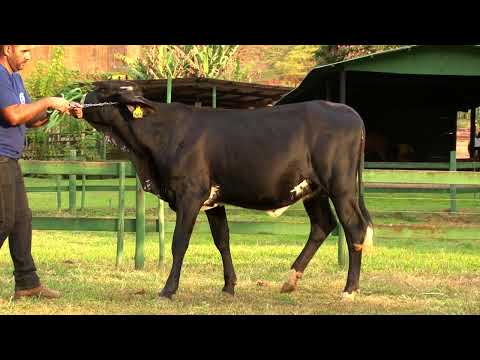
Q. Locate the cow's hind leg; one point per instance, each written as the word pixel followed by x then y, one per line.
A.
pixel 187 211
pixel 322 222
pixel 356 228
pixel 217 219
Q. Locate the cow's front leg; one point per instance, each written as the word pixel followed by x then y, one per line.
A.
pixel 187 211
pixel 217 218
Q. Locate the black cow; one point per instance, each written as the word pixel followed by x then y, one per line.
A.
pixel 266 159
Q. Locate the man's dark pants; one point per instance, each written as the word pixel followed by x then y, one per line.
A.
pixel 16 223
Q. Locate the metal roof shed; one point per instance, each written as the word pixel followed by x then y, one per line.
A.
pixel 204 91
pixel 411 94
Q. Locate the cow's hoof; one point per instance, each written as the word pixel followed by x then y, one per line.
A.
pixel 291 284
pixel 288 288
pixel 165 295
pixel 228 294
pixel 348 297
pixel 229 290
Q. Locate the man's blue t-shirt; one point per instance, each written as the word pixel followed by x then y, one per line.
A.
pixel 12 91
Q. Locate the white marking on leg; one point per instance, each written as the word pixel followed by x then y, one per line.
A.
pixel 209 203
pixel 214 191
pixel 348 297
pixel 368 240
pixel 277 212
pixel 300 188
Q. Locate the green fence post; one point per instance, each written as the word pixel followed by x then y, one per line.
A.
pixel 342 247
pixel 161 231
pixel 453 188
pixel 104 149
pixel 140 227
pixel 82 204
pixel 121 212
pixel 59 192
pixel 161 204
pixel 72 198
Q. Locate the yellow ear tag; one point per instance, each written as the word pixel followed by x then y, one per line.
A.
pixel 138 112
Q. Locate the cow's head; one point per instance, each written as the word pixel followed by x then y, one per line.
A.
pixel 116 123
pixel 127 95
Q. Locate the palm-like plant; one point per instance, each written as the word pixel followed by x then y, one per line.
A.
pixel 178 61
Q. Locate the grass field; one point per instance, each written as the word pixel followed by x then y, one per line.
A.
pixel 400 276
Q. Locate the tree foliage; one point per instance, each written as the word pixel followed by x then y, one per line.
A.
pixel 293 62
pixel 327 54
pixel 63 132
pixel 179 61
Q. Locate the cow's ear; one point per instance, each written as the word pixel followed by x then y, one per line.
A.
pixel 138 104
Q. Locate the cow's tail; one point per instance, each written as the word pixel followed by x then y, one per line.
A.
pixel 368 239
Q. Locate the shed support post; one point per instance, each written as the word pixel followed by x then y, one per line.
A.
pixel 214 97
pixel 328 91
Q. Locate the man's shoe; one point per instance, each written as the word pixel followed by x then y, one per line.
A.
pixel 39 291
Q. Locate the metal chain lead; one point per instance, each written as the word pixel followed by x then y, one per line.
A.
pixel 84 106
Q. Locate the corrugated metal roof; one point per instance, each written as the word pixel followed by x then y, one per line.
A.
pixel 370 56
pixel 230 94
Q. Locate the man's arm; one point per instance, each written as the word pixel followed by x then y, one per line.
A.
pixel 75 110
pixel 39 120
pixel 35 123
pixel 18 114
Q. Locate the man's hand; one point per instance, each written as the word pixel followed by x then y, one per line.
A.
pixel 18 114
pixel 76 110
pixel 58 103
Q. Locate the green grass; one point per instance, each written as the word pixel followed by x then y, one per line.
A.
pixel 400 276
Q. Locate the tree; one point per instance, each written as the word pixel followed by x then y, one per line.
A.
pixel 178 61
pixel 327 54
pixel 293 63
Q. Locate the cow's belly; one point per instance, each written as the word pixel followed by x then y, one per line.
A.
pixel 274 205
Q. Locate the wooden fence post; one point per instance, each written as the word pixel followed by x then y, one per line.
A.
pixel 72 198
pixel 341 243
pixel 161 231
pixel 453 188
pixel 121 212
pixel 342 246
pixel 59 192
pixel 82 203
pixel 140 227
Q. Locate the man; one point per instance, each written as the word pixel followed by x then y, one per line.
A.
pixel 16 113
